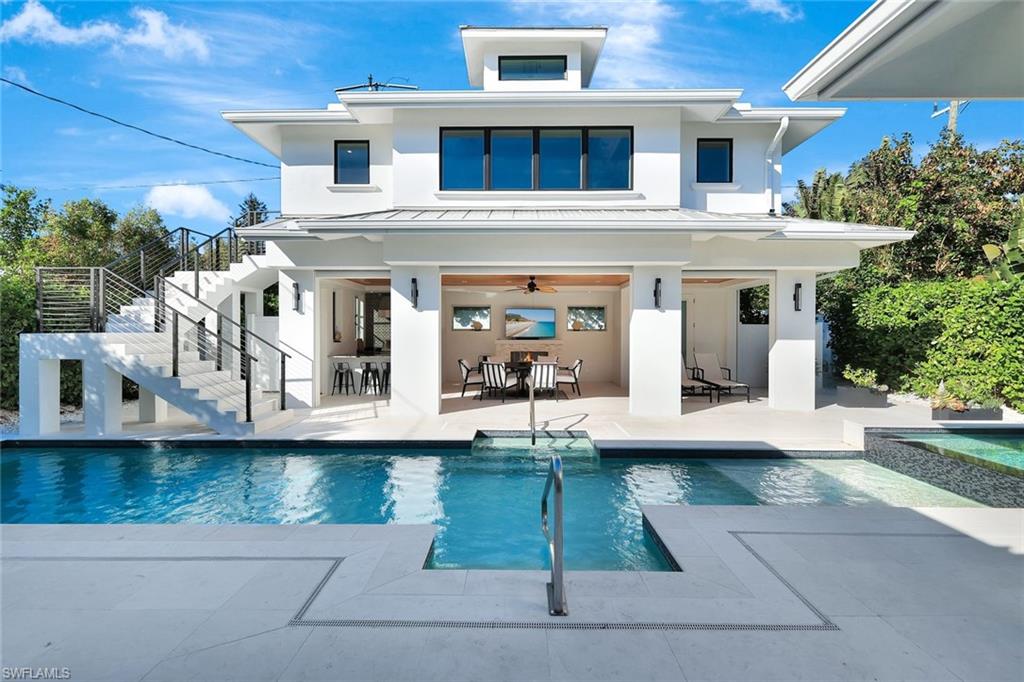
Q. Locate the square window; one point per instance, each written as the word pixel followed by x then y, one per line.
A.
pixel 714 160
pixel 462 159
pixel 471 318
pixel 352 162
pixel 586 319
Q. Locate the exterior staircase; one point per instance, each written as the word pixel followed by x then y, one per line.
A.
pixel 169 336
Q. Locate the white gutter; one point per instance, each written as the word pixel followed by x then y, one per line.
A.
pixel 769 155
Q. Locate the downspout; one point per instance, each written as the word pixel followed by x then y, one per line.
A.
pixel 769 175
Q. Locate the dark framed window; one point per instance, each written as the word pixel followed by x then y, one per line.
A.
pixel 549 158
pixel 351 162
pixel 462 158
pixel 714 160
pixel 561 158
pixel 532 68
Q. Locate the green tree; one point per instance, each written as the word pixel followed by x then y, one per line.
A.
pixel 251 211
pixel 823 199
pixel 22 216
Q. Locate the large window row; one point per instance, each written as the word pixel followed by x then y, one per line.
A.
pixel 536 158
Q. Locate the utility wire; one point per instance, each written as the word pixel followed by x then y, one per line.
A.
pixel 161 184
pixel 133 127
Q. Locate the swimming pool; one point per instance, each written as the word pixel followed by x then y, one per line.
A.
pixel 485 502
pixel 1003 452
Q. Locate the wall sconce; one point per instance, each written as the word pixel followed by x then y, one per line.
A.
pixel 297 294
pixel 415 294
pixel 798 290
pixel 657 292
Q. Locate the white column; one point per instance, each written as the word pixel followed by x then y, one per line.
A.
pixel 655 340
pixel 230 308
pixel 416 341
pixel 101 398
pixel 791 342
pixel 297 336
pixel 152 408
pixel 38 394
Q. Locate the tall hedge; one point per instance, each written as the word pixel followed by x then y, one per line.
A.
pixel 969 333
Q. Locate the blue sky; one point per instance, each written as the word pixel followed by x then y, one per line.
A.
pixel 172 66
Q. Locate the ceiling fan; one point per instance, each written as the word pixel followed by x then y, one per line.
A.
pixel 532 287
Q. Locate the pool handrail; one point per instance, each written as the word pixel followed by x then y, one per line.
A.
pixel 557 604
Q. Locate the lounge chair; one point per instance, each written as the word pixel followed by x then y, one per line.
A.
pixel 710 371
pixel 691 385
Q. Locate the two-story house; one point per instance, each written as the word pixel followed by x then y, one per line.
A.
pixel 532 213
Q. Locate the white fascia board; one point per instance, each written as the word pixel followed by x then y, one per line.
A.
pixel 264 127
pixel 875 235
pixel 475 98
pixel 804 122
pixel 871 29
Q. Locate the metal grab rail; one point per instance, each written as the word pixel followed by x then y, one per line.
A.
pixel 533 413
pixel 557 604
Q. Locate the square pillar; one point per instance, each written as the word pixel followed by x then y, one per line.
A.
pixel 655 342
pixel 297 336
pixel 152 409
pixel 791 372
pixel 101 398
pixel 38 394
pixel 231 308
pixel 416 341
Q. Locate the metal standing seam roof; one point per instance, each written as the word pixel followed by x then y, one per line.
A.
pixel 542 214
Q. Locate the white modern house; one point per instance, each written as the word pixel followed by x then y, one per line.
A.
pixel 411 223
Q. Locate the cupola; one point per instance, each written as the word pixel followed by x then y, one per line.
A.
pixel 531 59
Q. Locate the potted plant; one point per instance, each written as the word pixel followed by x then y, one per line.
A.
pixel 477 325
pixel 863 389
pixel 946 406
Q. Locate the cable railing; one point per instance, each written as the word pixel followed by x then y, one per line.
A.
pixel 557 604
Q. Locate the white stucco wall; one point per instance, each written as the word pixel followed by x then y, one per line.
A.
pixel 599 350
pixel 750 143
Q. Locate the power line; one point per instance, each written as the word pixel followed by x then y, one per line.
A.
pixel 161 184
pixel 134 127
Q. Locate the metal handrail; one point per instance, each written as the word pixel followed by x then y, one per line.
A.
pixel 557 604
pixel 533 412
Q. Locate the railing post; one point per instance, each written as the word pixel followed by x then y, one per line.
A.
pixel 216 254
pixel 220 342
pixel 158 312
pixel 248 387
pixel 39 300
pixel 101 317
pixel 196 271
pixel 284 396
pixel 174 343
pixel 183 247
pixel 92 299
pixel 142 267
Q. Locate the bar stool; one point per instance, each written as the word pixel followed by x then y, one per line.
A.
pixel 343 378
pixel 370 380
pixel 385 376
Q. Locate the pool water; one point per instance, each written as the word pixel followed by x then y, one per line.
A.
pixel 485 502
pixel 1002 451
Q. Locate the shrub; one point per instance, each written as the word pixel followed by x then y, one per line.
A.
pixel 968 333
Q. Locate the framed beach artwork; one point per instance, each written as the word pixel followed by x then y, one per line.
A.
pixel 586 319
pixel 530 323
pixel 471 318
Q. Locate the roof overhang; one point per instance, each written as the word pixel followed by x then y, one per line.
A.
pixel 701 225
pixel 265 127
pixel 921 49
pixel 804 123
pixel 476 38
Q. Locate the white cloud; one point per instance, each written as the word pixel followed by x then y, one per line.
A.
pixel 16 74
pixel 187 202
pixel 782 11
pixel 636 53
pixel 152 31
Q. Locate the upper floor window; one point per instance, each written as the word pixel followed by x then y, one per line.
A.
pixel 580 158
pixel 351 162
pixel 532 68
pixel 714 160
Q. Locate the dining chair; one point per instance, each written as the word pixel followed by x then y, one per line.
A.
pixel 544 376
pixel 468 378
pixel 571 375
pixel 496 380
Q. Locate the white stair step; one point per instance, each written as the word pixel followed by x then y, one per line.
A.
pixel 204 378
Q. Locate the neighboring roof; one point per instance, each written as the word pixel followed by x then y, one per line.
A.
pixel 475 38
pixel 921 49
pixel 592 220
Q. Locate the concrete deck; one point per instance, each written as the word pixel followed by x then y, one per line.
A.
pixel 764 593
pixel 602 413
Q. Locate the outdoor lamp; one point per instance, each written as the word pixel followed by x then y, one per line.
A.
pixel 798 289
pixel 415 294
pixel 297 294
pixel 657 292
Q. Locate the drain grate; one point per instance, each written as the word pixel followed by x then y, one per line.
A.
pixel 560 625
